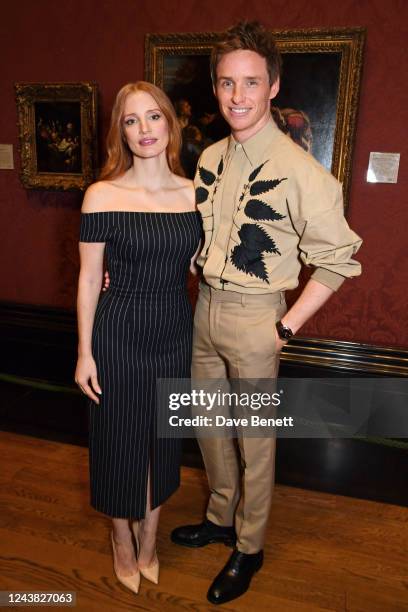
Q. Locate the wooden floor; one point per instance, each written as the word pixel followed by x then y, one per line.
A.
pixel 323 552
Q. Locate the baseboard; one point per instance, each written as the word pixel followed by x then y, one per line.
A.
pixel 351 357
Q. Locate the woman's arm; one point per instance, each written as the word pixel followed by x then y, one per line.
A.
pixel 89 287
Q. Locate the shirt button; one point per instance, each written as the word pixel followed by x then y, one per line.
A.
pixel 238 147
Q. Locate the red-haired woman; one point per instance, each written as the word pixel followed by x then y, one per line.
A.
pixel 140 215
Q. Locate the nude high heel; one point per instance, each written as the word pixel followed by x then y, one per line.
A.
pixel 151 572
pixel 132 582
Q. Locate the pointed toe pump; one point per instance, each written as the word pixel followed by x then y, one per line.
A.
pixel 132 582
pixel 150 572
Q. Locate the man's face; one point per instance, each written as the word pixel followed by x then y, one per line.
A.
pixel 244 92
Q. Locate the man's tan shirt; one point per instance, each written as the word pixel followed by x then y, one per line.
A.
pixel 267 206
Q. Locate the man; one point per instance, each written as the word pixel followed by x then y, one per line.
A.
pixel 265 204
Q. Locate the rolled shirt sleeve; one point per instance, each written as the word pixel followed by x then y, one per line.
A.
pixel 326 241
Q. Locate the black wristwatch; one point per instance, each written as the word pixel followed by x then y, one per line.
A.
pixel 284 332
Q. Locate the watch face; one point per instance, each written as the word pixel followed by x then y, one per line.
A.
pixel 286 333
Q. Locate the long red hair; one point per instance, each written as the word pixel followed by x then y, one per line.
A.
pixel 119 156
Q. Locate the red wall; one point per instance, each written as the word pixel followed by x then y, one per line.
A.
pixel 104 42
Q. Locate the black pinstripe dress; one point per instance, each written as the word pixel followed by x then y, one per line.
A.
pixel 142 331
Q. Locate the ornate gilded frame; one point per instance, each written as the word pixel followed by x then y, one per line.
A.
pixel 27 96
pixel 348 42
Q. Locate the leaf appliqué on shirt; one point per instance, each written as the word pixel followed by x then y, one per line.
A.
pixel 206 176
pixel 258 210
pixel 255 172
pixel 201 194
pixel 210 180
pixel 263 186
pixel 247 256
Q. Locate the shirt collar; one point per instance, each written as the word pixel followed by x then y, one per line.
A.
pixel 255 146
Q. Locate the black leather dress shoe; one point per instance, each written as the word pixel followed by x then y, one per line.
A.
pixel 205 533
pixel 235 578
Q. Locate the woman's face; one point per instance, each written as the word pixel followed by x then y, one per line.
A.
pixel 144 125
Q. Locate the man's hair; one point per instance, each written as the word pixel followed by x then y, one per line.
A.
pixel 249 36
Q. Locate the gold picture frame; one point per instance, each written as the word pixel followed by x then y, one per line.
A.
pixel 321 79
pixel 57 131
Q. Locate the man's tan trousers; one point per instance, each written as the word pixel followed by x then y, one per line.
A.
pixel 234 337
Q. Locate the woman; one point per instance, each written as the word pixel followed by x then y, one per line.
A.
pixel 141 215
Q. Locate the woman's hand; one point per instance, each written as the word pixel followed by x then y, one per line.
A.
pixel 106 281
pixel 193 266
pixel 85 372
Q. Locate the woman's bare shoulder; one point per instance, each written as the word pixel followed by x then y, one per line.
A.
pixel 96 197
pixel 186 186
pixel 182 180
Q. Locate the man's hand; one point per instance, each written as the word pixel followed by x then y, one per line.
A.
pixel 106 281
pixel 279 343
